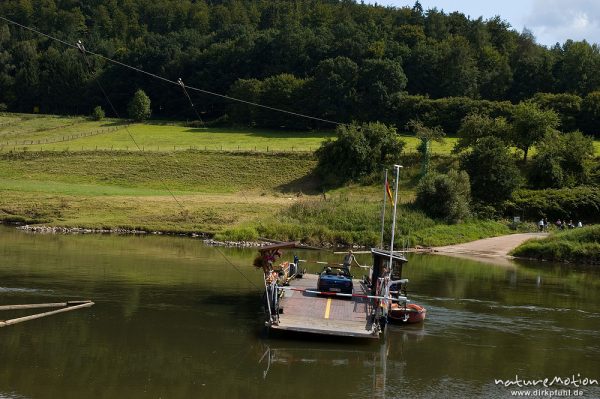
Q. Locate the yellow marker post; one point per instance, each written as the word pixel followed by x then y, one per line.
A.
pixel 327 308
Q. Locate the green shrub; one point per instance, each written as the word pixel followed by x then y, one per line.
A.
pixel 98 113
pixel 139 106
pixel 590 114
pixel 238 234
pixel 546 171
pixel 445 196
pixel 492 170
pixel 358 151
pixel 446 112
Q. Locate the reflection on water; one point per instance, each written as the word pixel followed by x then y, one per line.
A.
pixel 174 320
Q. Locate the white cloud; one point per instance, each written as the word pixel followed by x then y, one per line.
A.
pixel 554 21
pixel 550 21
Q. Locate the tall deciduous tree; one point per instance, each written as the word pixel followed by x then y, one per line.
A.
pixel 283 91
pixel 335 87
pixel 530 123
pixel 378 81
pixel 357 151
pixel 532 68
pixel 139 106
pixel 495 74
pixel 246 90
pixel 590 109
pixel 578 67
pixel 492 171
pixel 562 160
pixel 476 126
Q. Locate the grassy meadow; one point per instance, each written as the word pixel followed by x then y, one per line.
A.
pixel 20 132
pixel 95 179
pixel 58 133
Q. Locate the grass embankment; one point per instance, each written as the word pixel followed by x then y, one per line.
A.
pixel 238 196
pixel 129 190
pixel 349 220
pixel 578 246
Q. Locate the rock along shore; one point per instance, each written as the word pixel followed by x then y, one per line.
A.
pixel 206 237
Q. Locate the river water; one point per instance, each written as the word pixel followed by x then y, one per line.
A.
pixel 174 319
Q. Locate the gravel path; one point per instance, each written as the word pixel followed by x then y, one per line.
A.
pixel 495 248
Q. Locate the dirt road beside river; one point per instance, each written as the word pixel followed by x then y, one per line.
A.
pixel 493 249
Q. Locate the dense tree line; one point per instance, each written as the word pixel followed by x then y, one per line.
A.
pixel 333 59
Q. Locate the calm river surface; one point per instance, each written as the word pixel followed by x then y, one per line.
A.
pixel 173 319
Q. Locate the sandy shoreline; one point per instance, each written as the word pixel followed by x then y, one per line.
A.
pixel 494 250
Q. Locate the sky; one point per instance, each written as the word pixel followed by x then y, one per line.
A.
pixel 550 21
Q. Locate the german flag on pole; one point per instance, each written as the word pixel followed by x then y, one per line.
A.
pixel 388 190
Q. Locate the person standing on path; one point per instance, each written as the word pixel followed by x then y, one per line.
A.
pixel 348 260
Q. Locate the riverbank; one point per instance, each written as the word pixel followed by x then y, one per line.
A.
pixel 226 196
pixel 580 245
pixel 495 250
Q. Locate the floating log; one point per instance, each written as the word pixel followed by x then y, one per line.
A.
pixel 42 305
pixel 354 252
pixel 66 307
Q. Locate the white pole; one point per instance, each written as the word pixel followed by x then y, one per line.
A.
pixel 387 287
pixel 383 209
pixel 397 168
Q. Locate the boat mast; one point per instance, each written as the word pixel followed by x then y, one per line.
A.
pixel 397 168
pixel 383 208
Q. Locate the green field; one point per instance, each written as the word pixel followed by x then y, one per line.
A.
pixel 59 133
pixel 47 132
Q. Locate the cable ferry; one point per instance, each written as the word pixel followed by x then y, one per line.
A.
pixel 334 302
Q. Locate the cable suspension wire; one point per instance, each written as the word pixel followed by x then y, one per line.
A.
pixel 82 49
pixel 300 115
pixel 237 268
pixel 79 46
pixel 190 100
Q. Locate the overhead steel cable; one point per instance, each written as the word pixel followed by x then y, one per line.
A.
pixel 83 52
pixel 190 100
pixel 212 93
pixel 79 46
pixel 82 49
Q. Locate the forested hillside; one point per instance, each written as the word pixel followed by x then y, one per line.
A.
pixel 333 59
